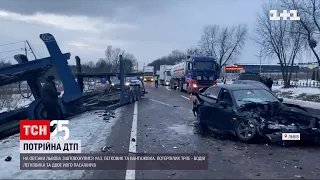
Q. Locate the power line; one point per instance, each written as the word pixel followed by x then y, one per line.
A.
pixel 11 43
pixel 20 49
pixel 11 57
pixel 33 50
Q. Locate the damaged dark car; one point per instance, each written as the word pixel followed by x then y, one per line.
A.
pixel 251 112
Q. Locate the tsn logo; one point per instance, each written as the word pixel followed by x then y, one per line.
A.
pixel 40 129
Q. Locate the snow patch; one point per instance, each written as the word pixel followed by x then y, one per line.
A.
pixel 307 104
pixel 89 127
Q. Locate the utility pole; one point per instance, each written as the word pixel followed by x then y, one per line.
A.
pixel 25 49
pixel 31 50
pixel 260 60
pixel 260 56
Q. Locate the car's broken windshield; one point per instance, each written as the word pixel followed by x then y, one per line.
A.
pixel 253 95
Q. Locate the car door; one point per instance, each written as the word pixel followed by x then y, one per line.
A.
pixel 209 106
pixel 225 114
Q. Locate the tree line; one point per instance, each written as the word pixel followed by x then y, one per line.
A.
pixel 110 63
pixel 283 40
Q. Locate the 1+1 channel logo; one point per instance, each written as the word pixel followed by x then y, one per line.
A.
pixel 292 15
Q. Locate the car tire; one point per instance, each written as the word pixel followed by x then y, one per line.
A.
pixel 202 128
pixel 130 98
pixel 246 130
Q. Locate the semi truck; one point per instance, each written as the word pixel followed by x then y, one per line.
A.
pixel 165 74
pixel 148 73
pixel 194 73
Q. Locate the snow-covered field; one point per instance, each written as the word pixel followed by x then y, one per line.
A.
pixel 298 93
pixel 14 101
pixel 89 127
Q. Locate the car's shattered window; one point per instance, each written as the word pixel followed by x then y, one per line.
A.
pixel 247 96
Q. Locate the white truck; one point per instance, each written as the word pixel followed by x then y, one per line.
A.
pixel 148 73
pixel 165 74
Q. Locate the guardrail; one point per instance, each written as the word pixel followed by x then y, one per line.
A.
pixel 301 83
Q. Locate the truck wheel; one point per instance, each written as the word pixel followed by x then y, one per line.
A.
pixel 180 87
pixel 130 98
pixel 41 113
pixel 136 95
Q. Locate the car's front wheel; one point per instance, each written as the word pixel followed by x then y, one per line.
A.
pixel 202 128
pixel 246 130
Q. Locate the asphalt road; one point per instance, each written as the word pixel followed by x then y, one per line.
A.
pixel 165 124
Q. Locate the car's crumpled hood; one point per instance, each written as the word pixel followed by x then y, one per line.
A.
pixel 273 119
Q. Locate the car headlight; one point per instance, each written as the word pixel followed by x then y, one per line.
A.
pixel 112 84
pixel 151 79
pixel 145 79
pixel 167 82
pixel 127 84
pixel 140 77
pixel 194 85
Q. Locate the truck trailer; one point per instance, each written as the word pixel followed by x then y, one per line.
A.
pixel 194 73
pixel 165 74
pixel 148 72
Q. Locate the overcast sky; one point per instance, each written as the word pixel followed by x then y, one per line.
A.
pixel 148 29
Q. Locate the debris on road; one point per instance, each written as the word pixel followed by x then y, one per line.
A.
pixel 105 148
pixel 8 158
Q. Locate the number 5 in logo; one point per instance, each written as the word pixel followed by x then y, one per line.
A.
pixel 60 127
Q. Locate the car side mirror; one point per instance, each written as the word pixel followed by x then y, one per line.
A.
pixel 223 104
pixel 280 99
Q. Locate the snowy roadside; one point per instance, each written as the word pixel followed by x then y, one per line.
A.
pixel 89 127
pixel 298 93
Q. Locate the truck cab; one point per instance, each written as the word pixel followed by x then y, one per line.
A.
pixel 195 73
pixel 167 76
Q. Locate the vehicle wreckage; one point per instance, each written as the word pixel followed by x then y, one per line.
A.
pixel 250 112
pixel 273 119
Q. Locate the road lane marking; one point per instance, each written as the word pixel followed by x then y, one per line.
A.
pixel 163 103
pixel 184 97
pixel 168 89
pixel 131 174
pixel 170 105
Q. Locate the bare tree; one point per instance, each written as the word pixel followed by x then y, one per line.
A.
pixel 279 39
pixel 112 57
pixel 194 51
pixel 309 12
pixel 224 44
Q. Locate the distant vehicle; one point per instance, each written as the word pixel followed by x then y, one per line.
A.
pixel 250 112
pixel 194 73
pixel 137 82
pixel 165 74
pixel 252 76
pixel 101 86
pixel 148 72
pixel 115 85
pixel 254 83
pixel 219 82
